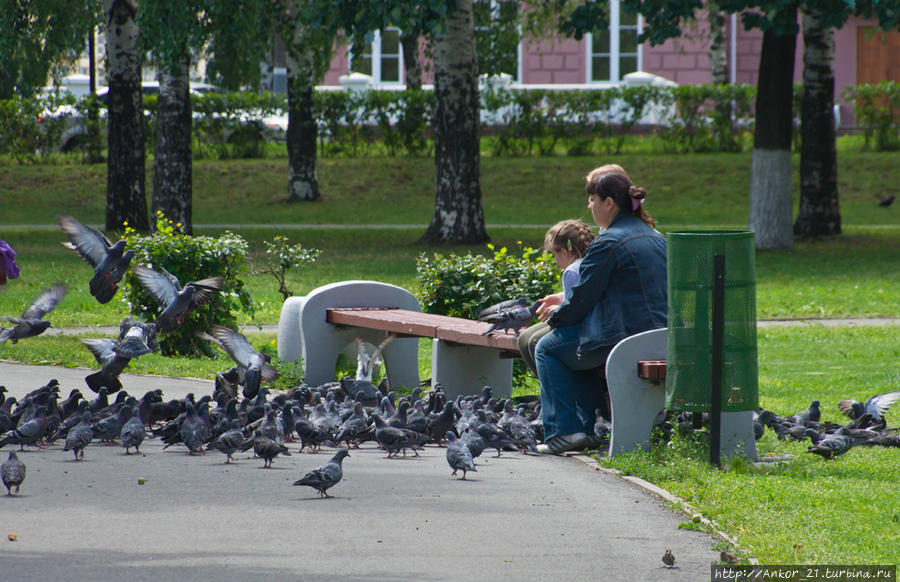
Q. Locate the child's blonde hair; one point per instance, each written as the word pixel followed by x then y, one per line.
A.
pixel 572 235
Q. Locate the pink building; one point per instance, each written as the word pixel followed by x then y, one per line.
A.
pixel 603 59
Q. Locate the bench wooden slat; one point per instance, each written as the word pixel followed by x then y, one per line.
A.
pixel 652 369
pixel 402 321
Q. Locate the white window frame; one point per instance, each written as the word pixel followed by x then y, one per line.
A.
pixel 377 57
pixel 495 10
pixel 615 54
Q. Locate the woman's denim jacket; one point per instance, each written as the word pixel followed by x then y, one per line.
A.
pixel 623 286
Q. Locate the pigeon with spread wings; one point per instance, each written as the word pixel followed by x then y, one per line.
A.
pixel 251 363
pixel 110 261
pixel 32 321
pixel 176 301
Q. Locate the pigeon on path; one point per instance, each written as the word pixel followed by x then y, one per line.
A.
pixel 29 432
pixel 326 476
pixel 509 315
pixel 229 441
pixel 80 436
pixel 176 301
pixel 110 261
pixel 133 432
pixel 251 363
pixel 32 321
pixel 459 457
pixel 13 473
pixel 267 449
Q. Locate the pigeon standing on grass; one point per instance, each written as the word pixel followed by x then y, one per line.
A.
pixel 176 301
pixel 110 261
pixel 32 321
pixel 13 473
pixel 326 476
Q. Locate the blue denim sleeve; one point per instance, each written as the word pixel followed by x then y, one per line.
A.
pixel 595 272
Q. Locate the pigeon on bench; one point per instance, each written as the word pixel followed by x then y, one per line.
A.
pixel 513 314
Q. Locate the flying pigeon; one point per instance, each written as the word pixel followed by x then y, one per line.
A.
pixel 326 476
pixel 13 473
pixel 176 301
pixel 31 323
pixel 834 444
pixel 459 457
pixel 110 261
pixel 875 406
pixel 508 315
pixel 113 364
pixel 251 362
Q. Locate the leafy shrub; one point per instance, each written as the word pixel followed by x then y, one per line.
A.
pixel 877 110
pixel 461 286
pixel 708 118
pixel 34 125
pixel 189 258
pixel 281 256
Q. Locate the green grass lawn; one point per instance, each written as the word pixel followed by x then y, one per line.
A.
pixel 804 511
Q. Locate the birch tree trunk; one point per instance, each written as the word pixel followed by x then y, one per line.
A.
pixel 126 199
pixel 770 174
pixel 411 68
pixel 718 48
pixel 820 212
pixel 172 184
pixel 458 213
pixel 302 132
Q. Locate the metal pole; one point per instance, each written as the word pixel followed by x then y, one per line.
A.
pixel 718 349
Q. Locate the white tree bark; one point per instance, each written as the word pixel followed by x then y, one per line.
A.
pixel 770 209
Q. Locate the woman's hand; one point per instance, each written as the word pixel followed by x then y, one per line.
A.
pixel 549 304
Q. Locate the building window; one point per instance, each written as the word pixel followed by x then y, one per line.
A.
pixel 615 52
pixel 497 36
pixel 382 59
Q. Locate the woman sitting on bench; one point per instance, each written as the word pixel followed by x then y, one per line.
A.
pixel 622 291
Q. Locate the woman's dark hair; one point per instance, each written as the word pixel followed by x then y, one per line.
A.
pixel 628 197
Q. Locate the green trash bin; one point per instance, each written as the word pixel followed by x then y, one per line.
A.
pixel 689 344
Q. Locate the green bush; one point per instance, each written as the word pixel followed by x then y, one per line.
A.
pixel 461 286
pixel 189 258
pixel 877 110
pixel 29 127
pixel 708 118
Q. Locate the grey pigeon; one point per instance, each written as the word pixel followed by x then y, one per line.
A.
pixel 834 444
pixel 13 473
pixel 229 441
pixel 80 436
pixel 176 301
pixel 326 476
pixel 110 261
pixel 113 364
pixel 813 413
pixel 136 338
pixel 133 432
pixel 507 316
pixel 354 426
pixel 394 440
pixel 251 362
pixel 876 406
pixel 32 321
pixel 459 456
pixel 267 449
pixel 438 425
pixel 494 437
pixel 108 429
pixel 474 442
pixel 193 430
pixel 28 433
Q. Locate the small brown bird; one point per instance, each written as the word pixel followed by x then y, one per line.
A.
pixel 727 558
pixel 668 559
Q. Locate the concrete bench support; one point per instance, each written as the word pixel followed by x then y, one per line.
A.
pixel 636 401
pixel 464 370
pixel 321 342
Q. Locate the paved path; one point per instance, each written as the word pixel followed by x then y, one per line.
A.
pixel 518 518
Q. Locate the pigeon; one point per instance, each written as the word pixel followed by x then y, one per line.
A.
pixel 813 413
pixel 136 338
pixel 32 321
pixel 29 432
pixel 108 429
pixel 459 457
pixel 326 476
pixel 393 439
pixel 113 364
pixel 474 442
pixel 193 430
pixel 876 406
pixel 437 426
pixel 110 261
pixel 229 441
pixel 885 201
pixel 251 362
pixel 80 436
pixel 133 432
pixel 494 437
pixel 509 316
pixel 353 427
pixel 267 449
pixel 176 301
pixel 13 473
pixel 668 559
pixel 834 444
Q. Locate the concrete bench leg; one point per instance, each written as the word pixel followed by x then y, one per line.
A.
pixel 290 339
pixel 465 370
pixel 635 401
pixel 322 342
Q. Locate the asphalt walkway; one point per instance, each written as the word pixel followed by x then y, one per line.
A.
pixel 194 517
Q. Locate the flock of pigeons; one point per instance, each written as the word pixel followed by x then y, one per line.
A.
pixel 348 412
